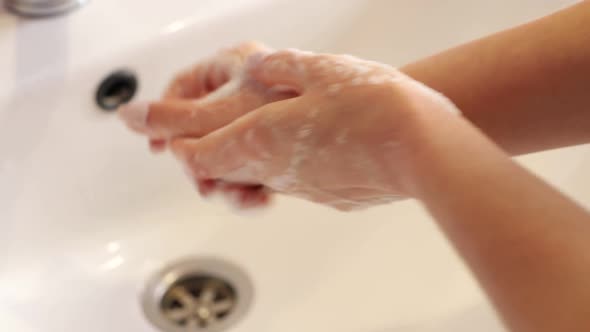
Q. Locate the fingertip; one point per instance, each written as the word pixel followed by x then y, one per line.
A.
pixel 157 146
pixel 246 196
pixel 135 115
pixel 254 201
pixel 257 198
pixel 207 187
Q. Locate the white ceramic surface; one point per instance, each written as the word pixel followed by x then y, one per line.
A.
pixel 87 214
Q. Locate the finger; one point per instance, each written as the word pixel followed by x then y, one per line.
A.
pixel 245 197
pixel 204 78
pixel 178 117
pixel 245 50
pixel 207 187
pixel 157 145
pixel 287 67
pixel 254 199
pixel 185 117
pixel 229 158
pixel 233 146
pixel 134 115
pixel 192 83
pixel 228 187
pixel 213 72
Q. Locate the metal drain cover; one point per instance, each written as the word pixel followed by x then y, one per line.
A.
pixel 198 301
pixel 201 294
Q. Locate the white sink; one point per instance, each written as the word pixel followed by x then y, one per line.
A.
pixel 88 215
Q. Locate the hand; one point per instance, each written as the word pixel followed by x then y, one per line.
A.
pixel 341 142
pixel 200 100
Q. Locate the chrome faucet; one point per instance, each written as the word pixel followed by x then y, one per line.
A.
pixel 41 8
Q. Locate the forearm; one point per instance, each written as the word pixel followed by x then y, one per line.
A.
pixel 528 245
pixel 527 88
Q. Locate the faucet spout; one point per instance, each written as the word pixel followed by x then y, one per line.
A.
pixel 41 8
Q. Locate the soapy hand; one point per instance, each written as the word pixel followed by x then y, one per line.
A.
pixel 341 142
pixel 216 85
pixel 202 99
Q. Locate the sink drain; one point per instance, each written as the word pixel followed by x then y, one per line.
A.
pixel 116 89
pixel 198 301
pixel 203 294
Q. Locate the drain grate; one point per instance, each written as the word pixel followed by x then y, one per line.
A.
pixel 197 295
pixel 198 302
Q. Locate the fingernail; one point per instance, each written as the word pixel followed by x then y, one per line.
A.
pixel 135 115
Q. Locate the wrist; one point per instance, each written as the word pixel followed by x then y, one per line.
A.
pixel 430 140
pixel 444 155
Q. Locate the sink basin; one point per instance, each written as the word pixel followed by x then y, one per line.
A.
pixel 89 216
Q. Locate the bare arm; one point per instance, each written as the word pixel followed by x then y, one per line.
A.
pixel 527 88
pixel 528 245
